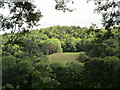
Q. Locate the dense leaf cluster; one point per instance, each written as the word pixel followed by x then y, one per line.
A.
pixel 26 66
pixel 95 42
pixel 22 74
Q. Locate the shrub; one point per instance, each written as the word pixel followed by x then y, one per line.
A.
pixel 83 57
pixel 68 75
pixel 93 73
pixel 112 66
pixel 102 73
pixel 17 73
pixel 43 77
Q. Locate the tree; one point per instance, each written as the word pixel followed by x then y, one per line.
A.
pixel 51 46
pixel 110 18
pixel 101 73
pixel 28 47
pixel 68 75
pixel 111 14
pixel 22 13
pixel 62 5
pixel 71 42
pixel 43 76
pixel 17 73
pixel 108 8
pixel 22 16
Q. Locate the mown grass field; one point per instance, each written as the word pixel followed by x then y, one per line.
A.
pixel 63 57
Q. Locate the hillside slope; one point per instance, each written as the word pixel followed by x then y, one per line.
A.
pixel 63 57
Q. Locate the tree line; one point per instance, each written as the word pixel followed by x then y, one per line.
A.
pixel 95 42
pixel 26 66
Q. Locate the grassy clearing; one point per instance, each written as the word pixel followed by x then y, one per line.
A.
pixel 63 57
pixel 72 53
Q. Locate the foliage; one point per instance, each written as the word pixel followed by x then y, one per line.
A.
pixel 51 46
pixel 56 39
pixel 22 16
pixel 110 18
pixel 62 5
pixel 101 73
pixel 17 73
pixel 113 70
pixel 26 66
pixel 68 75
pixel 36 73
pixel 43 77
pixel 83 57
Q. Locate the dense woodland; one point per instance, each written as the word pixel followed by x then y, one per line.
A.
pixel 26 66
pixel 25 52
pixel 58 39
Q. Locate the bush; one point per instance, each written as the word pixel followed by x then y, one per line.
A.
pixel 102 73
pixel 83 57
pixel 93 73
pixel 103 50
pixel 112 66
pixel 68 75
pixel 43 77
pixel 17 73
